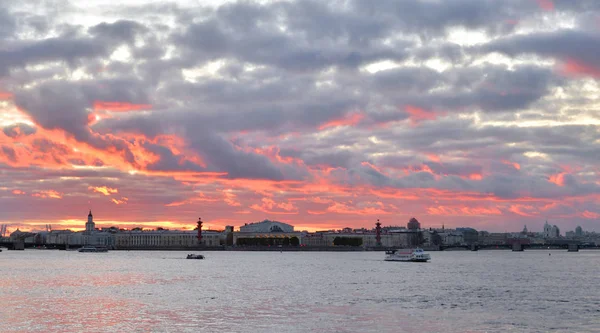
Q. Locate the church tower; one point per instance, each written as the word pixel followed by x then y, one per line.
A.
pixel 90 226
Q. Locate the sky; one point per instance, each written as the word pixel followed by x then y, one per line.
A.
pixel 321 114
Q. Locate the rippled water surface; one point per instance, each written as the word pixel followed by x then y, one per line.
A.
pixel 485 291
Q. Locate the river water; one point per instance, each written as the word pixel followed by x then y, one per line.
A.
pixel 138 291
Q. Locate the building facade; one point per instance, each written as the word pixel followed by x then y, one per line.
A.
pixel 266 226
pixel 167 239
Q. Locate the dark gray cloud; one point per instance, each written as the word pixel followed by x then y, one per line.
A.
pixel 224 156
pixel 52 49
pixel 19 129
pixel 120 31
pixel 562 44
pixel 9 153
pixel 7 23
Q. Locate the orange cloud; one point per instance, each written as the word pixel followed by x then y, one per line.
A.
pixel 434 157
pixel 546 5
pixel 514 164
pixel 104 190
pixel 418 114
pixel 272 152
pixel 575 68
pixel 18 192
pixel 230 199
pixel 268 205
pixel 590 215
pixel 120 106
pixel 123 200
pixel 462 211
pixel 558 179
pixel 48 194
pixel 5 95
pixel 519 210
pixel 348 120
pixel 475 176
pixel 200 198
pixel 372 166
pixel 342 208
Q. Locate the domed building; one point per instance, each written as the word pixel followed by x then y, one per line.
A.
pixel 267 226
pixel 413 224
pixel 269 231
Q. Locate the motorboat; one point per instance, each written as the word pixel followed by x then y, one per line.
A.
pixel 93 249
pixel 408 255
pixel 195 256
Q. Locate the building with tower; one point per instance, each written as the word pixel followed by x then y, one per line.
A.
pixel 551 231
pixel 90 226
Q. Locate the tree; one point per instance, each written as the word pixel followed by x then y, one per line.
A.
pixel 416 238
pixel 436 239
pixel 294 241
pixel 347 241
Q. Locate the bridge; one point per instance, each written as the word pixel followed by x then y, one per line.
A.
pixel 16 241
pixel 570 245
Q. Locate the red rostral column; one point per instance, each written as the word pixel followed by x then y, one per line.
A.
pixel 378 232
pixel 199 229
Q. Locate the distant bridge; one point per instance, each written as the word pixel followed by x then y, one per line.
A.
pixel 571 245
pixel 17 241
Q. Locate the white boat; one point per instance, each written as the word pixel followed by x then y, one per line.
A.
pixel 410 255
pixel 195 256
pixel 93 249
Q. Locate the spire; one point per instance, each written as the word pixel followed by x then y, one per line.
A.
pixel 90 214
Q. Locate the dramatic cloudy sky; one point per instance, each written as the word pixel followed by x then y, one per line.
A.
pixel 323 114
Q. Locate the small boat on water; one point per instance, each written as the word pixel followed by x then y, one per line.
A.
pixel 409 255
pixel 195 256
pixel 93 249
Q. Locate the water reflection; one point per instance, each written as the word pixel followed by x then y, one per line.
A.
pixel 496 291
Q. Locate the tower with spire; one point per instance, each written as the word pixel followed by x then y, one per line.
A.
pixel 90 226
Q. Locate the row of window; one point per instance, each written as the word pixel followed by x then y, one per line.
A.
pixel 164 240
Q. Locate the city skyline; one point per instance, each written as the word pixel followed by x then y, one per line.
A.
pixel 207 226
pixel 483 115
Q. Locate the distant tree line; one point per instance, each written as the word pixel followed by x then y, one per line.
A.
pixel 266 241
pixel 348 241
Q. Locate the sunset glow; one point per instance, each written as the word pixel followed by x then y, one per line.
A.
pixel 315 115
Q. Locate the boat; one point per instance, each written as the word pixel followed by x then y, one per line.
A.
pixel 93 249
pixel 195 256
pixel 409 255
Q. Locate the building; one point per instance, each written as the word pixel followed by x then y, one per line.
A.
pixel 470 235
pixel 138 239
pixel 551 231
pixel 90 226
pixel 93 237
pixel 267 233
pixel 267 226
pixel 167 239
pixel 413 224
pixel 493 238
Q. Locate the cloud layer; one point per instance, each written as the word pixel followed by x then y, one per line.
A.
pixel 477 113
